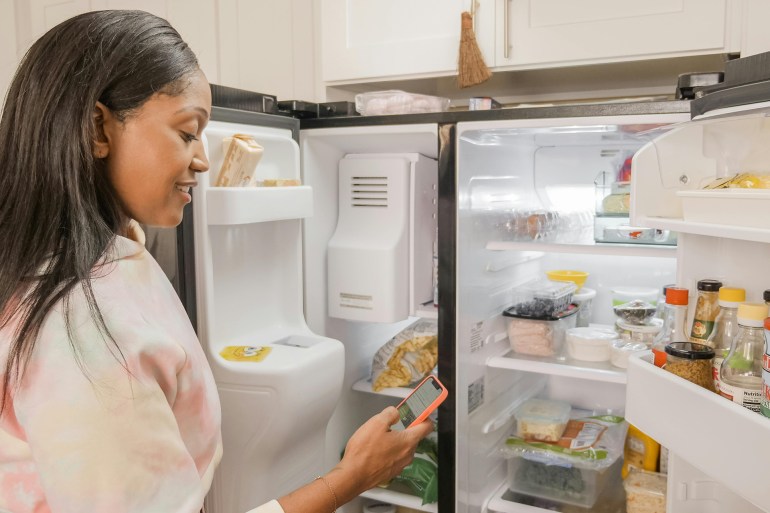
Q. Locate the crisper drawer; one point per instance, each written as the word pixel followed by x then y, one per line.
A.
pixel 727 442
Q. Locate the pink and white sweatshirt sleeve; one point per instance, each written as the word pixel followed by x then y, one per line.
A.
pixel 126 427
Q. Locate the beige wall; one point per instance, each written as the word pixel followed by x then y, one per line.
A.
pixel 8 57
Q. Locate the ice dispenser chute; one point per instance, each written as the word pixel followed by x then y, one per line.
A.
pixel 380 256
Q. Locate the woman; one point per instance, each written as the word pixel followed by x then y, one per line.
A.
pixel 108 401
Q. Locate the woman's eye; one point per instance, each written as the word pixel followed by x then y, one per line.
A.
pixel 189 137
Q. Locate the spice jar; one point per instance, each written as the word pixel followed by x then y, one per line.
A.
pixel 706 310
pixel 691 361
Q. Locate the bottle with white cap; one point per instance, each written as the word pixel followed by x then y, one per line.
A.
pixel 741 373
pixel 725 327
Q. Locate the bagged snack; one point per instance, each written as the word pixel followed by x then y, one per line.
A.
pixel 278 182
pixel 406 358
pixel 588 442
pixel 241 159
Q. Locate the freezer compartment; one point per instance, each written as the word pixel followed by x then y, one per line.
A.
pixel 569 485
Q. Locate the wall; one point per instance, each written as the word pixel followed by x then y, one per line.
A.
pixel 8 57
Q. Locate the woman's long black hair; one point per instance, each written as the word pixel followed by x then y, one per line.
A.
pixel 58 212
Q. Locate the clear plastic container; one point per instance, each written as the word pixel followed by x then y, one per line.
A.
pixel 621 349
pixel 542 419
pixel 542 298
pixel 570 485
pixel 589 344
pixel 539 337
pixel 644 333
pixel 645 492
pixel 622 295
pixel 584 299
pixel 378 103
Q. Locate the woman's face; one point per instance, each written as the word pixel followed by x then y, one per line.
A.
pixel 154 154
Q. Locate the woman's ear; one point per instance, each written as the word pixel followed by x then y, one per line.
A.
pixel 103 119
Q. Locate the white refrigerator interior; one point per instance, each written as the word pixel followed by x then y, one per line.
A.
pixel 248 244
pixel 719 450
pixel 322 152
pixel 526 205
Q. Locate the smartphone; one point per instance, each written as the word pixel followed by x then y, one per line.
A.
pixel 422 401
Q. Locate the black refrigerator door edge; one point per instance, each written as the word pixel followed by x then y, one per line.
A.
pixel 257 119
pixel 447 292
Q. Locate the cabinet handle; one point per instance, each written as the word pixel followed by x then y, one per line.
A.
pixel 506 28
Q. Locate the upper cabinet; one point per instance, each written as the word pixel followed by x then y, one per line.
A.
pixel 364 40
pixel 535 33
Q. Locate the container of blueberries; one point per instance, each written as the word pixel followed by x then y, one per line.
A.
pixel 542 298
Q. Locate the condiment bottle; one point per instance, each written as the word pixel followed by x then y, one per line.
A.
pixel 764 405
pixel 691 361
pixel 725 327
pixel 741 373
pixel 706 310
pixel 674 319
pixel 661 306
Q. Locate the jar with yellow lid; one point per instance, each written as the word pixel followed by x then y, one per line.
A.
pixel 725 327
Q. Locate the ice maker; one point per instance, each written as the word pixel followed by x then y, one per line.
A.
pixel 380 256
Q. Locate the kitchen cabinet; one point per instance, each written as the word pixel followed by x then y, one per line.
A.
pixel 260 45
pixel 544 33
pixel 364 40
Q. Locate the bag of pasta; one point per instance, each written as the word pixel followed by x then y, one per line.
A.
pixel 406 358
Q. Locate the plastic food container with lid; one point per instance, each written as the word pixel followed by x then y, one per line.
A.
pixel 566 484
pixel 542 419
pixel 691 361
pixel 542 298
pixel 584 300
pixel 644 333
pixel 621 349
pixel 539 336
pixel 378 103
pixel 645 492
pixel 589 344
pixel 622 295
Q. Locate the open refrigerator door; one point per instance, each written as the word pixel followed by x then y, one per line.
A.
pixel 705 180
pixel 533 197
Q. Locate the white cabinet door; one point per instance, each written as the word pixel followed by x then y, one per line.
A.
pixel 551 32
pixel 364 40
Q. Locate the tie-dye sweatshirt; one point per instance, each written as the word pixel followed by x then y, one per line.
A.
pixel 126 427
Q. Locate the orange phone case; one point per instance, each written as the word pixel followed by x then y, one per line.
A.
pixel 427 411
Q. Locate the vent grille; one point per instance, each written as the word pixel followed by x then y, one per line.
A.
pixel 369 191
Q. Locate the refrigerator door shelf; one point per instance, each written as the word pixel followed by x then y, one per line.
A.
pixel 399 499
pixel 709 229
pixel 712 434
pixel 590 248
pixel 244 205
pixel 365 385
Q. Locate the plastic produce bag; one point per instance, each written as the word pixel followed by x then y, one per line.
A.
pixel 420 477
pixel 593 443
pixel 406 358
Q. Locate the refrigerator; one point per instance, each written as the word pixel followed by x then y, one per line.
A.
pixel 262 280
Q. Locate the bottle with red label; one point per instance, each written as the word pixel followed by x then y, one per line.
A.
pixel 740 376
pixel 764 405
pixel 674 320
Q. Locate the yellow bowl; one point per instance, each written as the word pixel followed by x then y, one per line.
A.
pixel 576 277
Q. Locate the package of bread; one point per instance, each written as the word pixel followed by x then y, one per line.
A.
pixel 406 358
pixel 241 158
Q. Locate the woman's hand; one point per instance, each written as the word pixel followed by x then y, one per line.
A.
pixel 375 454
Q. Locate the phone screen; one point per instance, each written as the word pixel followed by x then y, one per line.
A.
pixel 421 398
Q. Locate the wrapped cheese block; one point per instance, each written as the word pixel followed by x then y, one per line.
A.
pixel 241 159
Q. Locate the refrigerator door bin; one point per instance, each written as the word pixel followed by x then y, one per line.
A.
pixel 749 208
pixel 243 205
pixel 697 415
